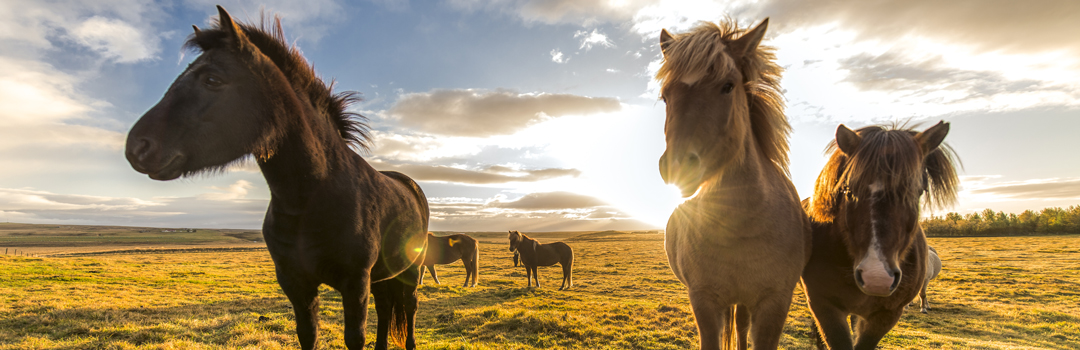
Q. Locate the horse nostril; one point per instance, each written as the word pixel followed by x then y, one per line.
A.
pixel 896 280
pixel 143 147
pixel 692 161
pixel 858 277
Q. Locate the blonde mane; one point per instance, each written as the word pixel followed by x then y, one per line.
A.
pixel 701 55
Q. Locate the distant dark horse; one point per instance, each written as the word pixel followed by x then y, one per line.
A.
pixel 445 250
pixel 870 254
pixel 533 253
pixel 332 218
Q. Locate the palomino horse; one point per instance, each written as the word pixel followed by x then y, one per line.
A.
pixel 741 240
pixel 332 218
pixel 933 268
pixel 870 254
pixel 533 253
pixel 448 249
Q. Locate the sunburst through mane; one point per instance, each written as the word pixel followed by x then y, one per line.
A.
pixel 271 42
pixel 701 53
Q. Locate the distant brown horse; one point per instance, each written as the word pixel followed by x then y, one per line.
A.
pixel 533 253
pixel 448 249
pixel 933 268
pixel 741 240
pixel 332 218
pixel 870 254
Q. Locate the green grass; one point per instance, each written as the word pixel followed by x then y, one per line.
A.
pixel 994 293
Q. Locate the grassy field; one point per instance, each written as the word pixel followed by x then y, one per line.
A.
pixel 994 293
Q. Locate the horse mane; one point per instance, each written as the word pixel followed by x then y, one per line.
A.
pixel 270 40
pixel 890 155
pixel 701 53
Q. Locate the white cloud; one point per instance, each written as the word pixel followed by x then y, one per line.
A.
pixel 480 113
pixel 595 38
pixel 225 209
pixel 557 56
pixel 116 39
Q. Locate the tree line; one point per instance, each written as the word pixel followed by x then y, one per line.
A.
pixel 990 223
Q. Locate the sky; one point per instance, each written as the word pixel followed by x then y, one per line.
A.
pixel 535 115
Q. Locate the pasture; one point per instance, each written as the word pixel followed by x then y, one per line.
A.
pixel 993 293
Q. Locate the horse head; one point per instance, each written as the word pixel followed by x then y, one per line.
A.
pixel 209 117
pixel 707 82
pixel 515 240
pixel 881 176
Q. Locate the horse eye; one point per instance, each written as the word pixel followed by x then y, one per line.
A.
pixel 212 81
pixel 727 88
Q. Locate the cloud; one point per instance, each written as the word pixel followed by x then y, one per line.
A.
pixel 488 175
pixel 892 71
pixel 583 12
pixel 557 56
pixel 550 200
pixel 303 20
pixel 223 209
pixel 1055 188
pixel 480 113
pixel 588 40
pixel 544 211
pixel 116 40
pixel 120 30
pixel 988 24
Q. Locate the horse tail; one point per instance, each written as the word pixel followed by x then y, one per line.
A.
pixel 476 262
pixel 399 328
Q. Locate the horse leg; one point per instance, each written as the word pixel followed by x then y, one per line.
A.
pixel 354 301
pixel 873 328
pixel 528 276
pixel 922 297
pixel 421 275
pixel 568 273
pixel 742 326
pixel 305 301
pixel 410 302
pixel 768 321
pixel 833 327
pixel 713 320
pixel 434 275
pixel 536 275
pixel 384 311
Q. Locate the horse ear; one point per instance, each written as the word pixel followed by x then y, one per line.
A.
pixel 847 140
pixel 666 39
pixel 749 41
pixel 931 138
pixel 226 23
pixel 197 31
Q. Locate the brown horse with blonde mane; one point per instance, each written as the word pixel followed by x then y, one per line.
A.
pixel 532 254
pixel 447 249
pixel 741 240
pixel 332 218
pixel 870 254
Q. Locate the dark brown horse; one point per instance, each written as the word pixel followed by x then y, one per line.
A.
pixel 332 218
pixel 870 254
pixel 448 249
pixel 533 253
pixel 741 240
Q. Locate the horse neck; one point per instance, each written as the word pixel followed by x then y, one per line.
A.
pixel 746 178
pixel 310 154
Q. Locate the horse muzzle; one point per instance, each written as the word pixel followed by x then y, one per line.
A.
pixel 685 172
pixel 877 278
